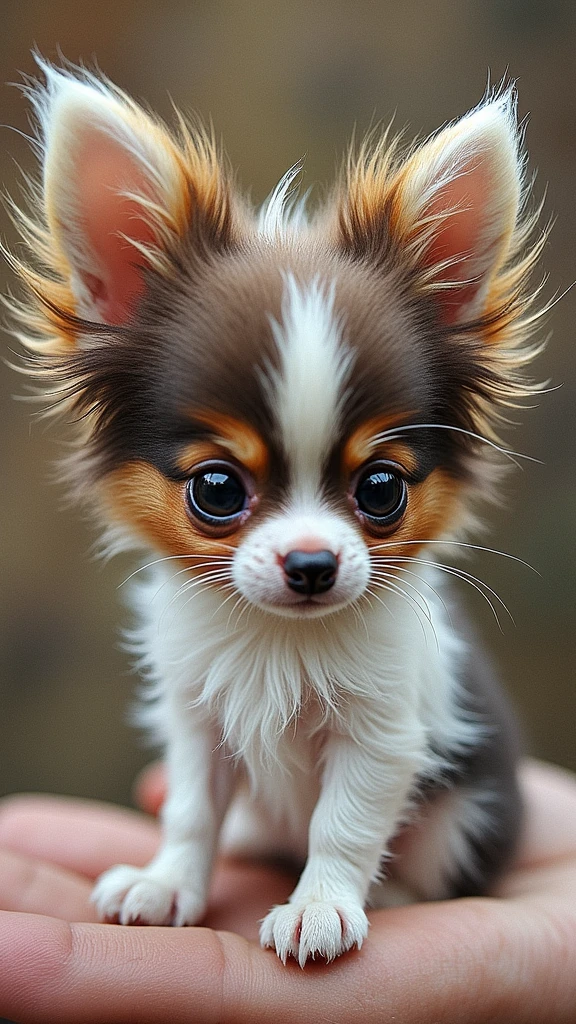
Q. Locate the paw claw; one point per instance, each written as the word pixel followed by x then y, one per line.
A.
pixel 136 896
pixel 311 928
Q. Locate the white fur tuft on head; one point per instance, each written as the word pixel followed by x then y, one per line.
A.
pixel 284 212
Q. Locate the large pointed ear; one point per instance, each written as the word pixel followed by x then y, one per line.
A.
pixel 119 191
pixel 448 213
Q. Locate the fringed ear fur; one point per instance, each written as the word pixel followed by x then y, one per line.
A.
pixel 120 196
pixel 450 213
pixel 119 193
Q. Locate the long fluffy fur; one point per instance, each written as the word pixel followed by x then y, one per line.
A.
pixel 372 179
pixel 346 724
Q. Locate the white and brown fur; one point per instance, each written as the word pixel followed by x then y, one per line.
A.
pixel 179 327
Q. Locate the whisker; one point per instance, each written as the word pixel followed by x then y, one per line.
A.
pixel 221 563
pixel 167 609
pixel 391 435
pixel 214 576
pixel 401 568
pixel 459 543
pixel 468 576
pixel 225 586
pixel 240 598
pixel 205 579
pixel 416 606
pixel 360 618
pixel 401 593
pixel 380 601
pixel 475 583
pixel 246 607
pixel 201 590
pixel 167 558
pixel 380 574
pixel 365 596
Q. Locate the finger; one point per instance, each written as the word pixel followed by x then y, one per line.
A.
pixel 150 787
pixel 84 836
pixel 550 826
pixel 240 894
pixel 34 887
pixel 549 886
pixel 462 963
pixel 545 870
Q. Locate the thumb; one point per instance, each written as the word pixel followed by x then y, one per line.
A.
pixel 150 787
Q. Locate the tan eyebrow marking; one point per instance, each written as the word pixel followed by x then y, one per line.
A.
pixel 241 440
pixel 199 451
pixel 364 444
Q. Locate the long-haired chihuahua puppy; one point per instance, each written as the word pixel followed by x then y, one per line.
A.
pixel 294 416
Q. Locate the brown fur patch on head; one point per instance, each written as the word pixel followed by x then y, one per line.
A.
pixel 185 379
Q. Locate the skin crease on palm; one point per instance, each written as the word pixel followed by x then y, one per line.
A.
pixel 503 960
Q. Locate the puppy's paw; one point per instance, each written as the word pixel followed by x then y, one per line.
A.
pixel 136 896
pixel 311 928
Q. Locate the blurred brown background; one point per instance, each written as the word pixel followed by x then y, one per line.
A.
pixel 281 80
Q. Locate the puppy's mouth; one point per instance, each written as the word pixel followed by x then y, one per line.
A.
pixel 309 607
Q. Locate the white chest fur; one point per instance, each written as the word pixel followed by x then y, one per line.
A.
pixel 272 687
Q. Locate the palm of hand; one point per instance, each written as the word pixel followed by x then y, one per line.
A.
pixel 510 959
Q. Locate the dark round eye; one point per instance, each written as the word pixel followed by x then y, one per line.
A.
pixel 216 496
pixel 381 495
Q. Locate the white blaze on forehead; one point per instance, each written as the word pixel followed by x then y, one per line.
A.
pixel 309 386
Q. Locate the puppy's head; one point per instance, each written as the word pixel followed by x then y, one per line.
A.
pixel 292 408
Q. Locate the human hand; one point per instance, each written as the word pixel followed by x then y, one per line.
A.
pixel 506 960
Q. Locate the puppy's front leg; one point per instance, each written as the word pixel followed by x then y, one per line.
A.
pixel 364 789
pixel 172 888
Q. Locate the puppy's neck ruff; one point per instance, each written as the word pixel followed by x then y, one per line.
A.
pixel 257 674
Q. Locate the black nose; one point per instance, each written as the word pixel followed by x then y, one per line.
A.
pixel 310 572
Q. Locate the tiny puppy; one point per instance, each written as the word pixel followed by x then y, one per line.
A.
pixel 294 417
